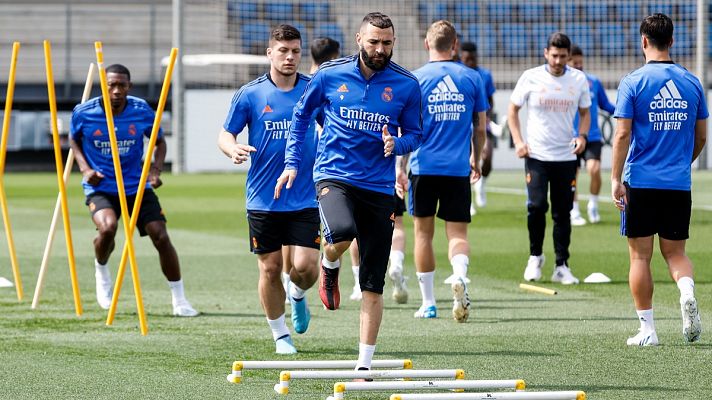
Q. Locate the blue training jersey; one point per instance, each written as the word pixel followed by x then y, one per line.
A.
pixel 88 127
pixel 664 101
pixel 350 148
pixel 598 99
pixel 487 80
pixel 451 94
pixel 267 112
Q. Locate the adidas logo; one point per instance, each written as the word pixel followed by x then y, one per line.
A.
pixel 668 97
pixel 446 90
pixel 342 88
pixel 267 109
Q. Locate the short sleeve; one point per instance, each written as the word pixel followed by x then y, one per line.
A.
pixel 625 101
pixel 521 91
pixel 239 115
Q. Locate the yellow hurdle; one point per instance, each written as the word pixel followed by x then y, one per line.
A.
pixel 120 186
pixel 142 182
pixel 60 180
pixel 3 154
pixel 537 289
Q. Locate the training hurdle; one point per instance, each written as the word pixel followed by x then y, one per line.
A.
pixel 286 376
pixel 568 395
pixel 239 366
pixel 340 388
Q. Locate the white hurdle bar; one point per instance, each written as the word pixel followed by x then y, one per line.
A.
pixel 566 395
pixel 340 388
pixel 239 366
pixel 285 376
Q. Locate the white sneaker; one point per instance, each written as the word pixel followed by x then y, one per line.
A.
pixel 691 324
pixel 643 339
pixel 460 301
pixel 593 216
pixel 533 270
pixel 473 211
pixel 184 309
pixel 480 193
pixel 453 278
pixel 577 219
pixel 104 291
pixel 356 293
pixel 400 290
pixel 562 274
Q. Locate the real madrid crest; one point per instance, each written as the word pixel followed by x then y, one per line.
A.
pixel 387 94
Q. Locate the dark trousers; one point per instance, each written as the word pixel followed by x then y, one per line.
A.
pixel 559 179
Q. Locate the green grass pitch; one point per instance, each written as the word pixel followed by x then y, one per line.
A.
pixel 572 341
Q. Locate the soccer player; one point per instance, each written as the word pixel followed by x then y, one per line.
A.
pixel 553 93
pixel 662 128
pixel 454 106
pixel 265 106
pixel 592 154
pixel 365 97
pixel 133 119
pixel 468 54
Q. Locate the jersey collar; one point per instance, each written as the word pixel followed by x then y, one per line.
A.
pixel 296 81
pixel 661 62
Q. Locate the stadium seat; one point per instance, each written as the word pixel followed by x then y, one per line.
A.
pixel 582 34
pixel 480 34
pixel 531 11
pixel 467 11
pixel 611 38
pixel 499 11
pixel 332 30
pixel 566 10
pixel 242 10
pixel 540 34
pixel 315 12
pixel 515 40
pixel 305 34
pixel 597 12
pixel 633 39
pixel 255 36
pixel 684 42
pixel 629 11
pixel 686 11
pixel 660 7
pixel 429 12
pixel 279 11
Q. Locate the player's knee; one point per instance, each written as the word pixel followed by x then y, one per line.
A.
pixel 107 229
pixel 537 206
pixel 160 239
pixel 342 231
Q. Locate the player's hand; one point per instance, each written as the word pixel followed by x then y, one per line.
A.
pixel 154 177
pixel 521 149
pixel 388 142
pixel 578 145
pixel 401 183
pixel 92 177
pixel 618 193
pixel 241 152
pixel 475 174
pixel 288 176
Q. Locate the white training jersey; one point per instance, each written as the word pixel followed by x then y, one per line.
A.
pixel 553 102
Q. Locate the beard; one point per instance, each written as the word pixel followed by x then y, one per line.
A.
pixel 371 62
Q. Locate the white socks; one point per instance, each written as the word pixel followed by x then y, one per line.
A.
pixel 355 269
pixel 177 291
pixel 593 200
pixel 397 258
pixel 296 292
pixel 687 288
pixel 425 280
pixel 330 264
pixel 365 355
pixel 459 264
pixel 102 272
pixel 575 209
pixel 278 327
pixel 647 324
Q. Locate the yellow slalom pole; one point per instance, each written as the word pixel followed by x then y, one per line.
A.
pixel 142 183
pixel 537 289
pixel 3 153
pixel 120 186
pixel 55 217
pixel 60 180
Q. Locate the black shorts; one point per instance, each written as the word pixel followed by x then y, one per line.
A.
pixel 150 207
pixel 349 212
pixel 591 152
pixel 452 192
pixel 270 230
pixel 658 211
pixel 400 206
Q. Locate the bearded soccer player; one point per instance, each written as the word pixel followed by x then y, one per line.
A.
pixel 133 119
pixel 661 129
pixel 365 97
pixel 265 106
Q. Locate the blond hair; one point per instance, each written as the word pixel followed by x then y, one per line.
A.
pixel 441 35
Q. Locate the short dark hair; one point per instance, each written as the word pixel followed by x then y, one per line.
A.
pixel 324 49
pixel 468 46
pixel 284 33
pixel 658 29
pixel 119 69
pixel 558 40
pixel 576 50
pixel 379 20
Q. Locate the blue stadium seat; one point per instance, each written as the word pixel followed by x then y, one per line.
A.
pixel 597 12
pixel 499 11
pixel 664 7
pixel 633 39
pixel 429 11
pixel 305 34
pixel 566 10
pixel 515 40
pixel 629 11
pixel 531 10
pixel 541 33
pixel 466 11
pixel 279 11
pixel 581 34
pixel 684 42
pixel 332 30
pixel 242 10
pixel 611 38
pixel 481 36
pixel 315 12
pixel 255 37
pixel 686 11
